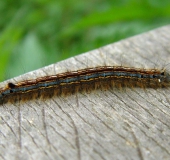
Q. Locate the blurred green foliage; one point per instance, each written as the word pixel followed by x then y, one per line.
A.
pixel 36 33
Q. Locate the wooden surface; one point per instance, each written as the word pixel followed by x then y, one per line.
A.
pixel 114 124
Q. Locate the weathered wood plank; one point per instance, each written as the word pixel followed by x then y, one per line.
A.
pixel 114 124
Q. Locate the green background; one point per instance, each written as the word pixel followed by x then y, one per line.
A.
pixel 35 33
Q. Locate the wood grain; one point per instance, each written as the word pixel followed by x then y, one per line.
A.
pixel 131 123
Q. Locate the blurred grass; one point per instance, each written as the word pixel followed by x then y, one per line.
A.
pixel 40 32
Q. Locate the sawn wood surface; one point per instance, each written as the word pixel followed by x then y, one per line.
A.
pixel 131 123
